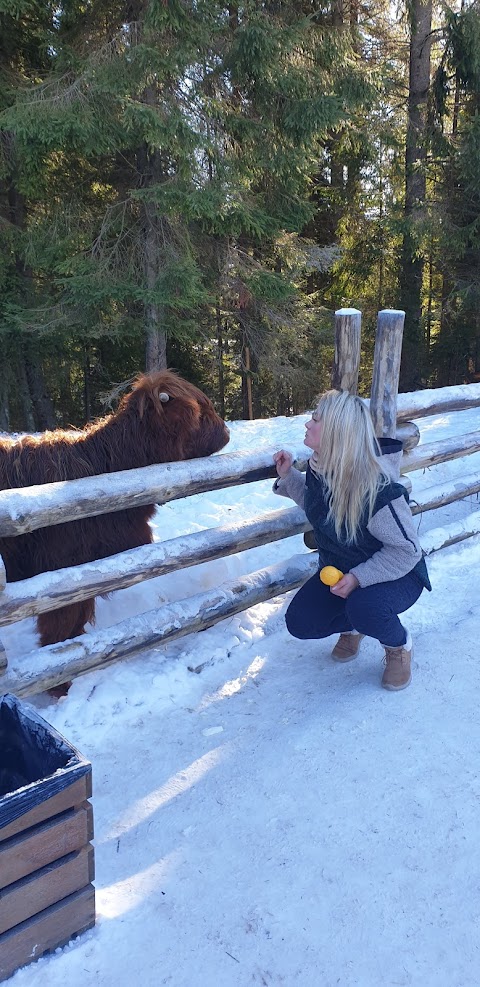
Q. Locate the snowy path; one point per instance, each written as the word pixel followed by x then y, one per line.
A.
pixel 278 819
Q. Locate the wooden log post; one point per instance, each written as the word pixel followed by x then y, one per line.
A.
pixel 409 435
pixel 348 324
pixel 386 370
pixel 346 365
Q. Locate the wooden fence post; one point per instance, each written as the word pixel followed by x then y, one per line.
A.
pixel 386 370
pixel 348 323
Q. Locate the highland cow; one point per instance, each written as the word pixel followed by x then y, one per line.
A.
pixel 163 419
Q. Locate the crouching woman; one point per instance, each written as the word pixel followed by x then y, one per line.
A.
pixel 363 526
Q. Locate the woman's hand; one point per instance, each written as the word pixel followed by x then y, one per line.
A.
pixel 283 461
pixel 345 585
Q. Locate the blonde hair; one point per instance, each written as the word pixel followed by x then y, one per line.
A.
pixel 347 461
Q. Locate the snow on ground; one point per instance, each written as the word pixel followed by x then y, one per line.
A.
pixel 279 819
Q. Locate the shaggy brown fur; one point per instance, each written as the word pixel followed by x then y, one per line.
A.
pixel 143 431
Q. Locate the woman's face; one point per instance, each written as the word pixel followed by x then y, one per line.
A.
pixel 313 432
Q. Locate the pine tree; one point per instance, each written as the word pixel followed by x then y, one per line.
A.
pixel 412 260
pixel 456 348
pixel 26 29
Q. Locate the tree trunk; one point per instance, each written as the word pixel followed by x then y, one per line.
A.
pixel 456 100
pixel 221 375
pixel 42 403
pixel 156 346
pixel 248 384
pixel 25 400
pixel 4 406
pixel 428 327
pixel 149 165
pixel 86 385
pixel 156 340
pixel 34 396
pixel 443 364
pixel 283 404
pixel 381 264
pixel 411 274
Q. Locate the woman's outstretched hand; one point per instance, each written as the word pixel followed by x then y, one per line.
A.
pixel 345 585
pixel 283 461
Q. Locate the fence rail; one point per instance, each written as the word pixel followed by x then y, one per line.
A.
pixel 51 590
pixel 420 404
pixel 27 509
pixel 47 667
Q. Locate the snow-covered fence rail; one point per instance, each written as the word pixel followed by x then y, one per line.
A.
pixel 27 509
pixel 48 667
pixel 440 452
pixel 419 404
pixel 51 590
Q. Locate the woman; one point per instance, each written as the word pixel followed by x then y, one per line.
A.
pixel 363 526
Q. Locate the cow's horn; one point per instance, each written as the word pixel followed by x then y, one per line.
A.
pixel 164 397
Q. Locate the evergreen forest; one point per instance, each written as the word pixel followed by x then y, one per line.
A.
pixel 200 185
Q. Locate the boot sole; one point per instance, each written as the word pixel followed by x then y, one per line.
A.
pixel 396 688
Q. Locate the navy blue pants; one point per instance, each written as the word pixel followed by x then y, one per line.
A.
pixel 315 612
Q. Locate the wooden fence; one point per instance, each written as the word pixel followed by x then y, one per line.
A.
pixel 26 509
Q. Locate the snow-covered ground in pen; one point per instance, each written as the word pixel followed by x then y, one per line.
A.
pixel 277 818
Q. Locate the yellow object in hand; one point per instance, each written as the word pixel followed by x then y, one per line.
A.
pixel 330 575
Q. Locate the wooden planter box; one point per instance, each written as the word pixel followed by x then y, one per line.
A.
pixel 46 824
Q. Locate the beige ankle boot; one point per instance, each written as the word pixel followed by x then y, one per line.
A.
pixel 397 674
pixel 347 646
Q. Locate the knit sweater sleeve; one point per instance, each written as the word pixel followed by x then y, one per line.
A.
pixel 292 485
pixel 393 526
